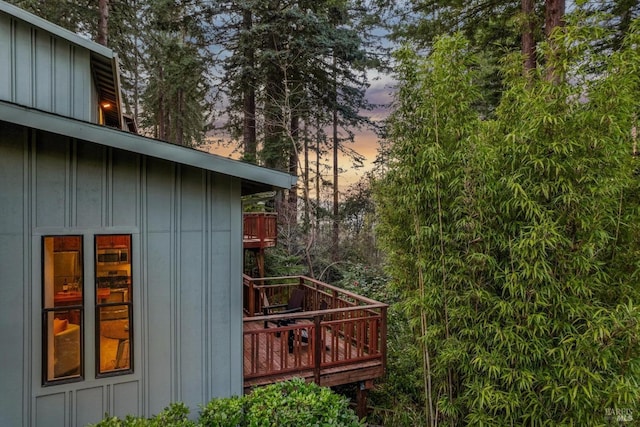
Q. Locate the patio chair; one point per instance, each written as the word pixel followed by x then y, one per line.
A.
pixel 294 305
pixel 304 333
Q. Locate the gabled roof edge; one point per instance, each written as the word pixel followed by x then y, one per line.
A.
pixel 119 139
pixel 54 29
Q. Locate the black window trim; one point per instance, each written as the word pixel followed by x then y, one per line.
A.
pixel 98 305
pixel 45 311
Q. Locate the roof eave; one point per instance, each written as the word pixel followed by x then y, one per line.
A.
pixel 255 178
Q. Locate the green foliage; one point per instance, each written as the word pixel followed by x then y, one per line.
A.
pixel 515 242
pixel 367 281
pixel 289 403
pixel 296 403
pixel 174 101
pixel 397 400
pixel 280 263
pixel 283 54
pixel 175 415
pixel 224 412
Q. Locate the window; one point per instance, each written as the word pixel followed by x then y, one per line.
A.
pixel 62 308
pixel 113 304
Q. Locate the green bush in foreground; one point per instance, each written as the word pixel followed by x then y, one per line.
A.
pixel 175 415
pixel 289 403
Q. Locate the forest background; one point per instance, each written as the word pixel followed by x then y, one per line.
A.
pixel 501 218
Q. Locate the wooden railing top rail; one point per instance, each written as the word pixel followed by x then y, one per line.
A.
pixel 298 280
pixel 260 214
pixel 310 314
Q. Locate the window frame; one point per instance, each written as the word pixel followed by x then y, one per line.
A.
pixel 98 305
pixel 45 311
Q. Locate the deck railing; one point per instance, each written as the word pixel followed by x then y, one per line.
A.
pixel 338 331
pixel 260 229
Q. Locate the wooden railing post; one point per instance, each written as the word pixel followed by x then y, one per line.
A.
pixel 318 347
pixel 383 337
pixel 252 299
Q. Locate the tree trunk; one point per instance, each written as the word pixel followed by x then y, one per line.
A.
pixel 553 17
pixel 274 132
pixel 179 128
pixel 528 42
pixel 318 177
pixel 249 119
pixel 161 114
pixel 103 22
pixel 293 167
pixel 305 177
pixel 136 62
pixel 336 225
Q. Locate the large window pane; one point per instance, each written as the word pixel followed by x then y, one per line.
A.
pixel 113 304
pixel 115 338
pixel 62 307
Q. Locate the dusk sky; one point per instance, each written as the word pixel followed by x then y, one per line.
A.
pixel 380 91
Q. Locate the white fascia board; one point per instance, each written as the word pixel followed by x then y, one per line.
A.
pixel 122 140
pixel 54 29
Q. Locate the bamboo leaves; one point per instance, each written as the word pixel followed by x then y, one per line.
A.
pixel 515 241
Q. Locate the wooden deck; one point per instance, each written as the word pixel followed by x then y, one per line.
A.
pixel 345 342
pixel 260 230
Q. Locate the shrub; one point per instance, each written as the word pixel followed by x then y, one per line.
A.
pixel 296 403
pixel 227 412
pixel 289 403
pixel 174 415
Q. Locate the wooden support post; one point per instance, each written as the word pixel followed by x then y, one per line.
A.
pixel 361 398
pixel 260 262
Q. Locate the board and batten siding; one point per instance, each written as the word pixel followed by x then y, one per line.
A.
pixel 186 252
pixel 40 70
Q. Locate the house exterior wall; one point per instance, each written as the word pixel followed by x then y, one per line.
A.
pixel 40 70
pixel 186 266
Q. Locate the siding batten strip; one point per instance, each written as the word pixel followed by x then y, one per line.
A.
pixel 107 210
pixel 211 282
pixel 236 337
pixel 144 294
pixel 73 180
pixel 34 65
pixel 29 136
pixel 70 82
pixel 13 59
pixel 67 184
pixel 176 233
pixel 52 73
pixel 209 286
pixel 204 386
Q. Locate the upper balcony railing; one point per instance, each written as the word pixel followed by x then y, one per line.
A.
pixel 339 337
pixel 260 230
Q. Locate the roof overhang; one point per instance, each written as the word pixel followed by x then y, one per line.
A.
pixel 105 77
pixel 255 179
pixel 104 62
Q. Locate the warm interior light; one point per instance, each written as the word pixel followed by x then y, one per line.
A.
pixel 106 105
